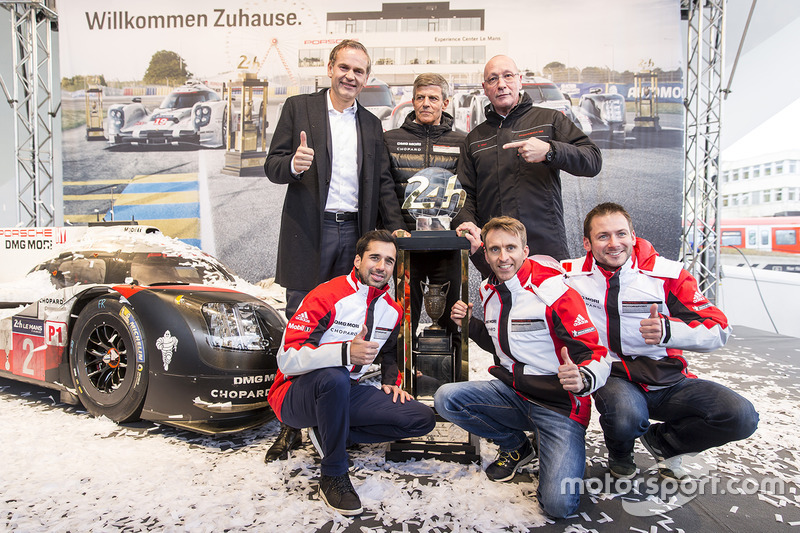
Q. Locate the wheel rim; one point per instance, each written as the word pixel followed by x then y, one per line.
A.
pixel 105 359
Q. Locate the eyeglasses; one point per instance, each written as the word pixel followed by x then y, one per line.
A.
pixel 508 77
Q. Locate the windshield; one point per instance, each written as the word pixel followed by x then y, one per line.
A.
pixel 183 100
pixel 144 268
pixel 376 95
pixel 544 92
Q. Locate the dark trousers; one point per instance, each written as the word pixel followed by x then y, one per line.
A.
pixel 345 412
pixel 697 414
pixel 336 256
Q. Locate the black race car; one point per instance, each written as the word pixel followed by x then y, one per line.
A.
pixel 134 325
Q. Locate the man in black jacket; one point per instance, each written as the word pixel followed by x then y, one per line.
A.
pixel 426 139
pixel 513 161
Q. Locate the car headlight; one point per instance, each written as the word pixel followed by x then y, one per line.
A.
pixel 234 325
pixel 202 116
pixel 118 117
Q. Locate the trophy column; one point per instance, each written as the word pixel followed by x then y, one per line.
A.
pixel 433 361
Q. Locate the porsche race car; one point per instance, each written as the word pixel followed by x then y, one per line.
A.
pixel 134 324
pixel 191 115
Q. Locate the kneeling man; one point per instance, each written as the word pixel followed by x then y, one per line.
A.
pixel 536 327
pixel 336 333
pixel 648 309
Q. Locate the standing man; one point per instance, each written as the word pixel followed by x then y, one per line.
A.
pixel 536 327
pixel 337 332
pixel 426 139
pixel 648 309
pixel 329 150
pixel 513 161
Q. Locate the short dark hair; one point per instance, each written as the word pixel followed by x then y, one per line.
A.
pixel 350 43
pixel 507 224
pixel 380 235
pixel 601 210
pixel 428 79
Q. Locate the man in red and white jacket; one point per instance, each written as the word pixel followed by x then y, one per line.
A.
pixel 336 333
pixel 647 310
pixel 548 361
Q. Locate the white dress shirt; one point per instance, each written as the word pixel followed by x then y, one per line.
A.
pixel 343 189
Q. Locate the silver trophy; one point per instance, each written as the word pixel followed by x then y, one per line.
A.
pixel 433 197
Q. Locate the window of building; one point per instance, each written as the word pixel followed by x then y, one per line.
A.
pixel 746 199
pixel 725 200
pixel 746 174
pixel 792 166
pixel 768 169
pixel 778 195
pixel 779 167
pixel 382 55
pixel 311 58
pixel 756 172
pixel 755 197
pixel 725 176
pixel 736 175
pixel 791 194
pixel 735 199
pixel 766 197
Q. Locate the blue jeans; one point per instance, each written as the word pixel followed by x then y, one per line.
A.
pixel 696 415
pixel 345 412
pixel 492 410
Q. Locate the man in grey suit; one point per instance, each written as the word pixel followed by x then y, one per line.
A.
pixel 329 150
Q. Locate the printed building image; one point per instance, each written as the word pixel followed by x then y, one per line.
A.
pixel 761 185
pixel 405 39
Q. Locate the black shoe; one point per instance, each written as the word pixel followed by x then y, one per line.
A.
pixel 668 467
pixel 507 463
pixel 622 467
pixel 288 439
pixel 339 494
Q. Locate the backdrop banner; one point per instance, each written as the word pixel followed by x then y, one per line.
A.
pixel 168 107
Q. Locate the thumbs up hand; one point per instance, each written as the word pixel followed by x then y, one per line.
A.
pixel 362 352
pixel 651 327
pixel 568 373
pixel 304 155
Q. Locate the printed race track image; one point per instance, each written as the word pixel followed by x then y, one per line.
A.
pixel 160 478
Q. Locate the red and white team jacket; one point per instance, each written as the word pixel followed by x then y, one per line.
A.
pixel 618 301
pixel 330 316
pixel 528 319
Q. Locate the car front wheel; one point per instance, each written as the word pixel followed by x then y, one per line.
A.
pixel 107 360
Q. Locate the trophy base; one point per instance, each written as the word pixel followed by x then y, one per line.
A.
pixel 435 341
pixel 447 442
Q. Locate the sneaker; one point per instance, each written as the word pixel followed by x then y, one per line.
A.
pixel 668 468
pixel 622 467
pixel 507 463
pixel 288 439
pixel 339 494
pixel 313 435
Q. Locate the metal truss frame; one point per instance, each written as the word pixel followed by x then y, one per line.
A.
pixel 700 238
pixel 31 98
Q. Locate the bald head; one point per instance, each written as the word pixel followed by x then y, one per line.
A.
pixel 501 83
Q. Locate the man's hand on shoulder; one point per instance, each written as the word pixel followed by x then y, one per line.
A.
pixel 473 235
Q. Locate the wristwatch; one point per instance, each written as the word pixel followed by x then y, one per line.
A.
pixel 551 154
pixel 585 388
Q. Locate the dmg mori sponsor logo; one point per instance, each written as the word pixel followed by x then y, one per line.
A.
pixel 250 380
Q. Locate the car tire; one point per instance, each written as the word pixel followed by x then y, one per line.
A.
pixel 107 360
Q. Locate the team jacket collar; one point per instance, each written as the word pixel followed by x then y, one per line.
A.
pixel 370 292
pixel 521 108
